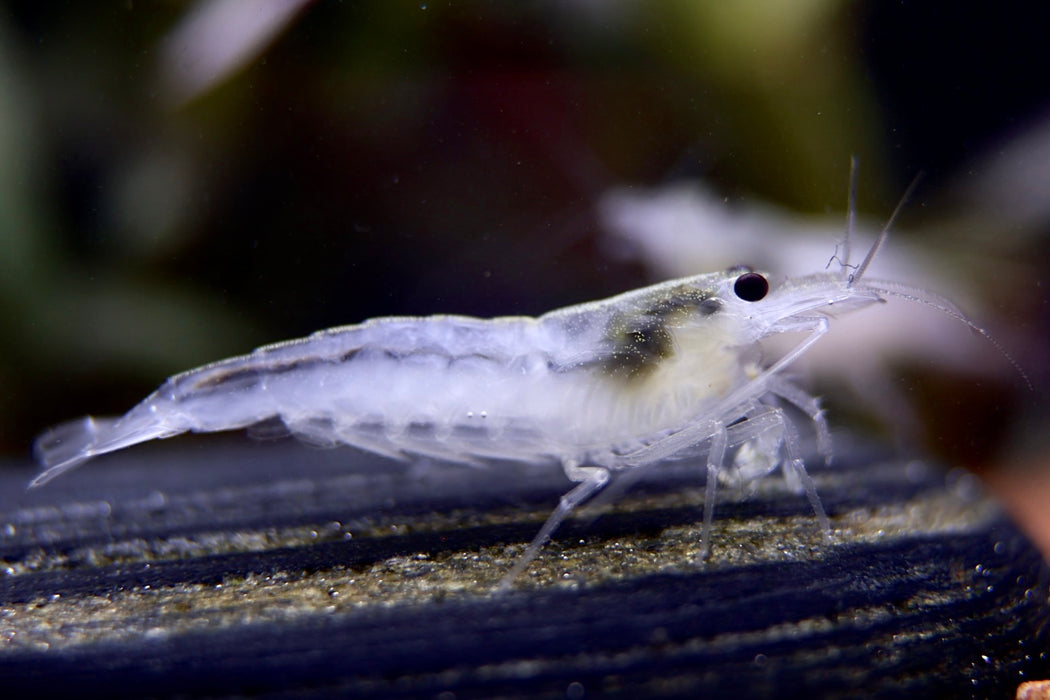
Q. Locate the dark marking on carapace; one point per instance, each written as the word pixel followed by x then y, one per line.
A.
pixel 639 341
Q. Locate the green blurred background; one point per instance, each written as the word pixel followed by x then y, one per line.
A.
pixel 379 158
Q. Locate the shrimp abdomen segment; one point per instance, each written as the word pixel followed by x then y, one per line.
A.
pixel 430 402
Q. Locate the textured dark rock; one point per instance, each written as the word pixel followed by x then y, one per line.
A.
pixel 219 569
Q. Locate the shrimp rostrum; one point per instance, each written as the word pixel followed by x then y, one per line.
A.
pixel 666 371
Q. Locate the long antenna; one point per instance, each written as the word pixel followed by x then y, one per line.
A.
pixel 885 232
pixel 851 210
pixel 945 306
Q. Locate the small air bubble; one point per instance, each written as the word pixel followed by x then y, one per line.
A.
pixel 155 500
pixel 964 485
pixel 916 472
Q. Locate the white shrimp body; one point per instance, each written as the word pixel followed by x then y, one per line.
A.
pixel 579 383
pixel 668 371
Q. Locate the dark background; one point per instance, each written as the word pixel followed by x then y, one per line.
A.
pixel 421 157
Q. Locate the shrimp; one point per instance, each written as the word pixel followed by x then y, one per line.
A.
pixel 672 370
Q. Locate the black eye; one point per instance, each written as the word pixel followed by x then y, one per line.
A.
pixel 751 286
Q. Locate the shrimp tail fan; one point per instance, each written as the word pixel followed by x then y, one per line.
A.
pixel 69 445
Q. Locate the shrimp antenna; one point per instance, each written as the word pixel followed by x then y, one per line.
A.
pixel 851 211
pixel 947 307
pixel 885 232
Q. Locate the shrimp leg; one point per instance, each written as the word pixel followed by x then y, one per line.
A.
pixel 589 480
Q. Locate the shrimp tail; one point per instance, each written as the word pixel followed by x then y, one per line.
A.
pixel 70 444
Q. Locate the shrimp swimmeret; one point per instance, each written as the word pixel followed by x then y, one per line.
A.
pixel 670 370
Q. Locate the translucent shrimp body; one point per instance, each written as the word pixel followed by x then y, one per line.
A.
pixel 594 383
pixel 668 371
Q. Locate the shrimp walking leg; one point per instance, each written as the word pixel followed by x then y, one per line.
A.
pixel 811 407
pixel 714 463
pixel 794 468
pixel 590 481
pixel 770 428
pixel 764 425
pixel 773 421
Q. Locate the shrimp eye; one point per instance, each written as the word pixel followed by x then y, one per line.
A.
pixel 751 286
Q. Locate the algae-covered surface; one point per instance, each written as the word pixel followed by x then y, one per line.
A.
pixel 215 568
